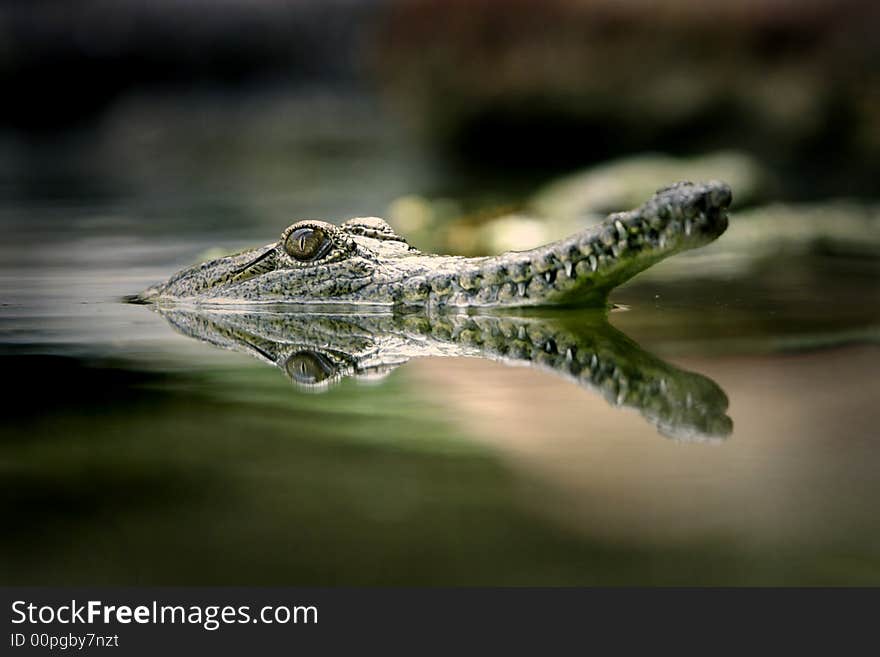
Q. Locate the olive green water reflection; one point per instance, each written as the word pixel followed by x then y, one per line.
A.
pixel 131 453
pixel 449 471
pixel 316 348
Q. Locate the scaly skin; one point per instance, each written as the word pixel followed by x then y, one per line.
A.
pixel 318 349
pixel 364 262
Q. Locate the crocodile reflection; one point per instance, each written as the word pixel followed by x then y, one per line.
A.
pixel 317 349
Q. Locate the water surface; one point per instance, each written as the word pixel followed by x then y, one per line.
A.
pixel 131 453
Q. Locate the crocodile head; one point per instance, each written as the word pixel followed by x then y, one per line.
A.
pixel 363 261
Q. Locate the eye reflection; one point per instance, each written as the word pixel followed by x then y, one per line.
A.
pixel 307 243
pixel 309 367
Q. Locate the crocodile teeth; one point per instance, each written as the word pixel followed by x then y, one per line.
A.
pixel 521 288
pixel 550 275
pixel 520 272
pixel 607 235
pixel 594 263
pixel 569 269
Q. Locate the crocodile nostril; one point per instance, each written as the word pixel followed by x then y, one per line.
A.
pixel 721 196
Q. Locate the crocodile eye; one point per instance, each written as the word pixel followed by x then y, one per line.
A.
pixel 309 367
pixel 307 244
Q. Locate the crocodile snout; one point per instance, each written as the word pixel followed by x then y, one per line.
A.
pixel 364 262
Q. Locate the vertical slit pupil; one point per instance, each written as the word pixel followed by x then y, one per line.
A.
pixel 306 243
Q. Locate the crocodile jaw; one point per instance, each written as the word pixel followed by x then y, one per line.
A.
pixel 579 270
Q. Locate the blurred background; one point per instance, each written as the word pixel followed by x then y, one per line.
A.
pixel 244 99
pixel 138 136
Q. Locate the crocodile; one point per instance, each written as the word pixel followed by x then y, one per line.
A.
pixel 363 261
pixel 318 349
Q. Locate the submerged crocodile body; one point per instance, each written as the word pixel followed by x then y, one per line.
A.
pixel 363 261
pixel 316 350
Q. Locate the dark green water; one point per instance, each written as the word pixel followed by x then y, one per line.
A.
pixel 132 454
